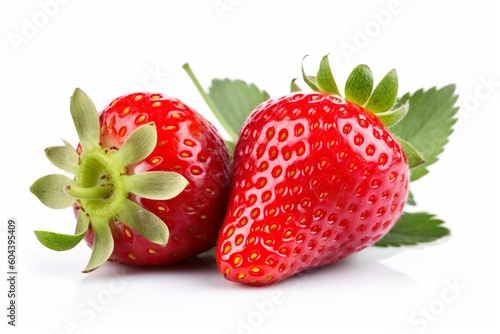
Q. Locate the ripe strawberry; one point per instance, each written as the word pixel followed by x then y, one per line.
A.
pixel 151 181
pixel 316 178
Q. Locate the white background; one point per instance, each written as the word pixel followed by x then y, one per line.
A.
pixel 109 48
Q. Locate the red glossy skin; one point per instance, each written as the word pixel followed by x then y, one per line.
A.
pixel 187 144
pixel 316 179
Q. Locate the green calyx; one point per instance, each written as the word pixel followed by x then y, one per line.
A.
pixel 359 89
pixel 101 185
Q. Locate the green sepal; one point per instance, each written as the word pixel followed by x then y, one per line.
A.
pixel 82 223
pixel 156 185
pixel 385 94
pixel 414 158
pixel 63 157
pixel 144 222
pixel 58 241
pixel 309 79
pixel 50 190
pixel 325 79
pixel 294 87
pixel 103 244
pixel 393 116
pixel 86 120
pixel 63 242
pixel 137 147
pixel 359 85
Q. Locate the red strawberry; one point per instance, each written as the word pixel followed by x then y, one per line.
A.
pixel 151 180
pixel 316 178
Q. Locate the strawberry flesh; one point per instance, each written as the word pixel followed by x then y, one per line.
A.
pixel 316 179
pixel 188 145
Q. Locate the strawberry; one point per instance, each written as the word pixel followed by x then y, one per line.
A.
pixel 316 178
pixel 150 185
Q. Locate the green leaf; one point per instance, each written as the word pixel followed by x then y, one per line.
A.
pixel 58 241
pixel 414 158
pixel 393 116
pixel 412 229
pixel 324 78
pixel 411 199
pixel 385 94
pixel 359 85
pixel 156 185
pixel 63 157
pixel 137 146
pixel 428 123
pixel 230 146
pixel 50 191
pixel 86 120
pixel 144 222
pixel 103 244
pixel 236 99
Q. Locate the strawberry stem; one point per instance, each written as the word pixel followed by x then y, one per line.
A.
pixel 97 192
pixel 220 117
